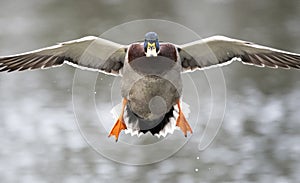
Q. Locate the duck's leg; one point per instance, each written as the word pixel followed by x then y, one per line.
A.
pixel 120 124
pixel 181 121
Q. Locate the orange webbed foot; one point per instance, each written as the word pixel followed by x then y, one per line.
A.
pixel 182 123
pixel 118 127
pixel 120 124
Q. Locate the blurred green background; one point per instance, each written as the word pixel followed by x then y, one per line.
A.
pixel 259 138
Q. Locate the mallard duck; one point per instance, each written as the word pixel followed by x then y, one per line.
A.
pixel 151 71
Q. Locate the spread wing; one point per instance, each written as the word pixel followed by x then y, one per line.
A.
pixel 220 50
pixel 90 53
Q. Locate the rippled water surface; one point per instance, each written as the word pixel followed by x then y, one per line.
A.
pixel 40 139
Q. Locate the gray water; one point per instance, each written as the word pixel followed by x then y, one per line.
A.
pixel 40 139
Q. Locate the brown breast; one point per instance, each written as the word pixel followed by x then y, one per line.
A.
pixel 135 51
pixel 168 50
pixel 163 63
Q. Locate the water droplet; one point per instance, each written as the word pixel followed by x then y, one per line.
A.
pixel 95 92
pixel 196 169
pixel 198 157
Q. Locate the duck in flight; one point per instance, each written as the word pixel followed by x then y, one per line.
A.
pixel 151 71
